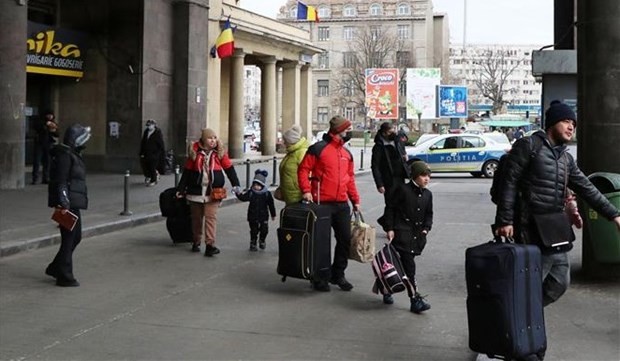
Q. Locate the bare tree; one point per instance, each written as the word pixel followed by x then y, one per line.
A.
pixel 371 47
pixel 492 70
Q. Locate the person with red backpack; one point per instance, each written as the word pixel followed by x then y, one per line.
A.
pixel 326 174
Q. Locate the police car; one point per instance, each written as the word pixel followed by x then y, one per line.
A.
pixel 473 153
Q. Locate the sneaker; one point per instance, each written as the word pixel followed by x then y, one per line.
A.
pixel 388 299
pixel 253 247
pixel 418 305
pixel 195 247
pixel 262 245
pixel 151 184
pixel 67 283
pixel 321 286
pixel 342 283
pixel 210 251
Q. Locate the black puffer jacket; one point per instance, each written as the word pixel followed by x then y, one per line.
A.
pixel 535 184
pixel 67 186
pixel 261 204
pixel 408 212
pixel 389 161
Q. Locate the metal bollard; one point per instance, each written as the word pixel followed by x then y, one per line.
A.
pixel 247 174
pixel 176 175
pixel 126 211
pixel 361 159
pixel 275 169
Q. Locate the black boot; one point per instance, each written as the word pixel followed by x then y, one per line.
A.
pixel 253 245
pixel 262 244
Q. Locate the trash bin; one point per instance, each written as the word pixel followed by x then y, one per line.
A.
pixel 604 234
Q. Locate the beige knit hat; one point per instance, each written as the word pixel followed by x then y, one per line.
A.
pixel 292 135
pixel 206 134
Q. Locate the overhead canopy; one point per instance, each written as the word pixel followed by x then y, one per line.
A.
pixel 506 123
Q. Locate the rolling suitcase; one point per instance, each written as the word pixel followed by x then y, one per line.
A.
pixel 504 300
pixel 178 222
pixel 304 242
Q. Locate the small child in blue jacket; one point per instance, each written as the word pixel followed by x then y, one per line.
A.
pixel 260 207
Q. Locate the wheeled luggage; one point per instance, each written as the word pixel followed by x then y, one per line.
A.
pixel 504 300
pixel 304 242
pixel 178 222
pixel 389 273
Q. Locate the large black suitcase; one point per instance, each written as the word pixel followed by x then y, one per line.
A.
pixel 304 242
pixel 180 229
pixel 178 222
pixel 504 300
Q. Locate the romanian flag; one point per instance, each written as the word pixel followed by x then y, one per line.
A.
pixel 305 12
pixel 225 42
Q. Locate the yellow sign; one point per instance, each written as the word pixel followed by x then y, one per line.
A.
pixel 54 51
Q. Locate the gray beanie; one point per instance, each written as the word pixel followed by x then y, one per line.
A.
pixel 260 177
pixel 292 135
pixel 418 168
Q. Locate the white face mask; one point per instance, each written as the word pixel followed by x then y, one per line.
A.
pixel 150 127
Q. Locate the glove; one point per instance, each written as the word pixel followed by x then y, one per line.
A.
pixel 236 190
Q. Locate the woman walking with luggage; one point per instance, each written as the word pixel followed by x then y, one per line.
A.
pixel 202 183
pixel 407 220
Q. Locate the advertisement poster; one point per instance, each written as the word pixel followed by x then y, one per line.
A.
pixel 382 93
pixel 452 102
pixel 55 51
pixel 422 92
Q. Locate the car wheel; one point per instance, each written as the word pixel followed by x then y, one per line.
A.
pixel 476 174
pixel 489 168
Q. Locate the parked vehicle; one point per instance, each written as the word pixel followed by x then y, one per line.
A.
pixel 473 153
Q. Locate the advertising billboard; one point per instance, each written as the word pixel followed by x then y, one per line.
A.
pixel 382 93
pixel 421 92
pixel 55 51
pixel 452 101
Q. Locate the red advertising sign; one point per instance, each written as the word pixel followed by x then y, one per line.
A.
pixel 382 93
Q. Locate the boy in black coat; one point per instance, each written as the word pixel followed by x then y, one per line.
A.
pixel 260 207
pixel 408 219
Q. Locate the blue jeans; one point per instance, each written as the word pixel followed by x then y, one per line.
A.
pixel 556 276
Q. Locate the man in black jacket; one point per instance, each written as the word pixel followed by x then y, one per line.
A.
pixel 67 191
pixel 389 160
pixel 535 184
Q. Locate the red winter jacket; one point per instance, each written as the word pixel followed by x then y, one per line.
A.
pixel 331 164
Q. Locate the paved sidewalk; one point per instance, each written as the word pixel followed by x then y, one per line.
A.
pixel 25 218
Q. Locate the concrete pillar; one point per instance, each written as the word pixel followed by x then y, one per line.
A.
pixel 279 96
pixel 268 124
pixel 13 18
pixel 306 100
pixel 291 94
pixel 236 121
pixel 191 21
pixel 563 19
pixel 598 131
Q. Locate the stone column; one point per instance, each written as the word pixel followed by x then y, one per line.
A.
pixel 13 18
pixel 290 94
pixel 598 131
pixel 279 96
pixel 268 124
pixel 236 122
pixel 306 100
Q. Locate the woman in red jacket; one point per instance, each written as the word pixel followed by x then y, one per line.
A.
pixel 202 184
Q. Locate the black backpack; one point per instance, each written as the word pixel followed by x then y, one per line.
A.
pixel 498 177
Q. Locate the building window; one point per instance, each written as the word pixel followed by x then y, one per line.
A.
pixel 375 32
pixel 349 88
pixel 293 12
pixel 375 60
pixel 323 88
pixel 323 33
pixel 403 9
pixel 349 59
pixel 324 12
pixel 376 10
pixel 324 60
pixel 348 10
pixel 403 58
pixel 403 32
pixel 348 32
pixel 402 88
pixel 322 114
pixel 349 113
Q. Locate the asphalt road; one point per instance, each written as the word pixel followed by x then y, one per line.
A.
pixel 142 298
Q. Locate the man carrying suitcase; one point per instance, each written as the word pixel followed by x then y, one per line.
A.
pixel 535 179
pixel 326 174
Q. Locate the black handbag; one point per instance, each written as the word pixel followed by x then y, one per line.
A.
pixel 554 229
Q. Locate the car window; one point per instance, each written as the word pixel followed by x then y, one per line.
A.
pixel 472 142
pixel 446 143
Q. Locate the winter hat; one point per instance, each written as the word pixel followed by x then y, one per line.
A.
pixel 292 135
pixel 260 177
pixel 338 124
pixel 557 112
pixel 385 126
pixel 206 134
pixel 418 168
pixel 150 122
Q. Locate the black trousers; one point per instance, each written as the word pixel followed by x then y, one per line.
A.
pixel 407 259
pixel 258 229
pixel 41 158
pixel 62 265
pixel 341 224
pixel 149 167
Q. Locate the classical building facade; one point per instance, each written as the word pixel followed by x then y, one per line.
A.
pixel 421 35
pixel 139 60
pixel 523 91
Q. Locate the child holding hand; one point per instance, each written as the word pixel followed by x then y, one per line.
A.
pixel 261 206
